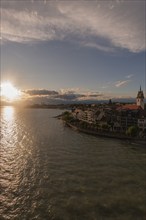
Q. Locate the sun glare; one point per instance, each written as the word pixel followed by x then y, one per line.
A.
pixel 9 92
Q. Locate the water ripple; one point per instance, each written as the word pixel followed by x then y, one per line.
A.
pixel 49 171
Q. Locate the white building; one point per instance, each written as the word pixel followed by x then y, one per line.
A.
pixel 87 115
pixel 140 99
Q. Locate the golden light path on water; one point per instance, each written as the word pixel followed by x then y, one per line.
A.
pixel 9 129
pixel 8 113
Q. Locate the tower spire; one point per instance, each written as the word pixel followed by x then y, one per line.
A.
pixel 140 98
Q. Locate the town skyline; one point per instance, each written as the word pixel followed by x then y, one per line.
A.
pixel 73 50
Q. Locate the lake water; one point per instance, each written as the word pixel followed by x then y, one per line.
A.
pixel 50 172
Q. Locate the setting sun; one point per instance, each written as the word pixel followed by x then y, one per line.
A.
pixel 9 91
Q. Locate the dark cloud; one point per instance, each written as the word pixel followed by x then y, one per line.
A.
pixel 62 96
pixel 40 92
pixel 94 95
pixel 69 96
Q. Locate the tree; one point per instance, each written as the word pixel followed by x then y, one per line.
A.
pixel 105 126
pixel 67 116
pixel 132 131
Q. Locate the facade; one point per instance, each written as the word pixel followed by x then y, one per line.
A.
pixel 87 115
pixel 142 124
pixel 127 119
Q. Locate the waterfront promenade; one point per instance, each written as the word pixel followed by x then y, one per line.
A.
pixel 103 133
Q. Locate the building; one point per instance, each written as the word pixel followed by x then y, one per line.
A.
pixel 142 124
pixel 139 105
pixel 87 115
pixel 117 118
pixel 140 98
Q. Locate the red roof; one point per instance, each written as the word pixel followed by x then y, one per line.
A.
pixel 129 107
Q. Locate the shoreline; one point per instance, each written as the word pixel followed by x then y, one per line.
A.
pixel 105 134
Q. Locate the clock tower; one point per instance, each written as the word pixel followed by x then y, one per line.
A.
pixel 140 98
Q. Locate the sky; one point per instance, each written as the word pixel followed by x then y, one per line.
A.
pixel 74 50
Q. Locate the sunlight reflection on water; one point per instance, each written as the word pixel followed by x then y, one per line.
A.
pixel 8 127
pixel 8 113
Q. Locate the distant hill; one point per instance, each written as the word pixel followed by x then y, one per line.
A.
pixel 46 101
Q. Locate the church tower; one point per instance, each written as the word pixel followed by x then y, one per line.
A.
pixel 140 98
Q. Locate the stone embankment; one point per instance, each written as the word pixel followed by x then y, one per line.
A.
pixel 107 134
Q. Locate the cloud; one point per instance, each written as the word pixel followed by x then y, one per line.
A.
pixel 72 94
pixel 129 76
pixel 69 96
pixel 118 23
pixel 98 47
pixel 82 96
pixel 121 83
pixel 69 90
pixel 39 96
pixel 40 92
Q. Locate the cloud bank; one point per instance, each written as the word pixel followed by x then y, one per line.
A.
pixel 103 25
pixel 64 95
pixel 40 92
